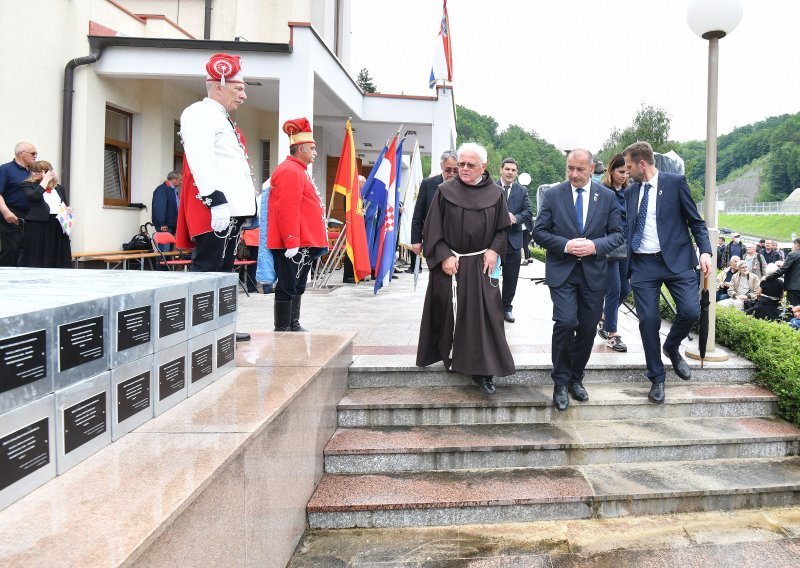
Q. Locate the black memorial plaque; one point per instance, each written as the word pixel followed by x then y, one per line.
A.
pixel 133 396
pixel 84 421
pixel 171 317
pixel 80 342
pixel 201 363
pixel 24 451
pixel 171 377
pixel 202 308
pixel 227 300
pixel 22 360
pixel 225 350
pixel 133 327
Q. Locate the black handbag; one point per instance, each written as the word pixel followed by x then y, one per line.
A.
pixel 619 253
pixel 140 241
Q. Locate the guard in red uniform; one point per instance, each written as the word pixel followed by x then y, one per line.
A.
pixel 218 190
pixel 296 233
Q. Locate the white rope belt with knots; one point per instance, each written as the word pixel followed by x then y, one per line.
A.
pixel 454 291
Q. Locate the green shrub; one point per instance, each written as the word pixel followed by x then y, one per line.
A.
pixel 538 253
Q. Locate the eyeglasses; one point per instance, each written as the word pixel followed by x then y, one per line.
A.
pixel 468 165
pixel 34 154
pixel 450 170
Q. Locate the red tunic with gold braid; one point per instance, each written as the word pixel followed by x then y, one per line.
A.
pixel 296 213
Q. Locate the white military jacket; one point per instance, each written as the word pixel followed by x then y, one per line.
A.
pixel 216 159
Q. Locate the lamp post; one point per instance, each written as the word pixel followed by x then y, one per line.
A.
pixel 712 20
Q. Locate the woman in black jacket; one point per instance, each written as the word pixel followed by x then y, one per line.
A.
pixel 44 243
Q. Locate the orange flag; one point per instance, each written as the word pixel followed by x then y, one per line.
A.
pixel 346 183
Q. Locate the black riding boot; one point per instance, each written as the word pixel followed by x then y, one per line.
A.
pixel 283 315
pixel 295 326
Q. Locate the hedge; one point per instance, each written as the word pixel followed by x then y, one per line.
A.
pixel 538 253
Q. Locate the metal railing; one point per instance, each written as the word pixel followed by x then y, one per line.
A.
pixel 763 208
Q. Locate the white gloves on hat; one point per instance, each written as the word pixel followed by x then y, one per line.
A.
pixel 220 217
pixel 291 252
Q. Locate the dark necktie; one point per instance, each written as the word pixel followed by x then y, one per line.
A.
pixel 641 219
pixel 507 189
pixel 579 209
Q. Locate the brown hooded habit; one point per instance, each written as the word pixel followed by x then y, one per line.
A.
pixel 465 219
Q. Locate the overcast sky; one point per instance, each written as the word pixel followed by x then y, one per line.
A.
pixel 572 70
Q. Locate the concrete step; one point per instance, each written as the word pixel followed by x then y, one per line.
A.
pixel 518 495
pixel 371 371
pixel 463 447
pixel 421 406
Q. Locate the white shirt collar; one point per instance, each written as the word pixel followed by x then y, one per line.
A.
pixel 653 181
pixel 585 187
pixel 216 105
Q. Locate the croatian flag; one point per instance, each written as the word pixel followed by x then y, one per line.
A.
pixel 374 195
pixel 387 235
pixel 443 52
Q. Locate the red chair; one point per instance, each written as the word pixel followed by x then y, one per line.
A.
pixel 250 237
pixel 165 238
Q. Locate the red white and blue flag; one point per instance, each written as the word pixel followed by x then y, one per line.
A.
pixel 443 52
pixel 388 174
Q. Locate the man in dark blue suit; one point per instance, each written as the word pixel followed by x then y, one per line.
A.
pixel 427 189
pixel 165 205
pixel 519 208
pixel 578 223
pixel 661 213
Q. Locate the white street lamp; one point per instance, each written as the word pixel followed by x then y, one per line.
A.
pixel 712 20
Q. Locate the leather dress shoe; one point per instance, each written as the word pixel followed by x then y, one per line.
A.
pixel 509 317
pixel 242 336
pixel 656 393
pixel 485 382
pixel 578 393
pixel 560 398
pixel 348 280
pixel 679 365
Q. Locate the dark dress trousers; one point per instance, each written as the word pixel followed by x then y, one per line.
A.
pixel 577 285
pixel 676 217
pixel 427 189
pixel 519 204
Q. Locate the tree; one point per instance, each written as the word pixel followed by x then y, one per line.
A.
pixel 651 124
pixel 365 81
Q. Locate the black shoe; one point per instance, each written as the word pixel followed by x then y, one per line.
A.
pixel 294 320
pixel 679 365
pixel 509 317
pixel 601 330
pixel 242 336
pixel 409 270
pixel 485 382
pixel 348 280
pixel 560 398
pixel 578 393
pixel 615 342
pixel 656 393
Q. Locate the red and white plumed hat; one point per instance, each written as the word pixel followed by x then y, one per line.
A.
pixel 224 68
pixel 299 131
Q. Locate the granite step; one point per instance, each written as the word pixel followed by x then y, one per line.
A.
pixel 372 371
pixel 435 448
pixel 578 492
pixel 421 406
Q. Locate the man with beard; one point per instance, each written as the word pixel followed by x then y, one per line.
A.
pixel 427 189
pixel 661 213
pixel 464 234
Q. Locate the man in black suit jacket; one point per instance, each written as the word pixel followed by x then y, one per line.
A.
pixel 519 208
pixel 791 274
pixel 165 204
pixel 661 213
pixel 427 189
pixel 578 223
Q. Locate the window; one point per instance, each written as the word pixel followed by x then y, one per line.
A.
pixel 177 148
pixel 265 170
pixel 117 158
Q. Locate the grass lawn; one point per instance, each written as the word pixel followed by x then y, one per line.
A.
pixel 778 227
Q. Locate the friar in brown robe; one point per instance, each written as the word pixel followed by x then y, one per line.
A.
pixel 465 219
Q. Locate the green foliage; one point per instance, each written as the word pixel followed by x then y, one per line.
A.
pixel 364 81
pixel 543 161
pixel 773 347
pixel 651 124
pixel 538 253
pixel 778 227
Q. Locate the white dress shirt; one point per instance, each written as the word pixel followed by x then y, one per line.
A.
pixel 650 243
pixel 585 199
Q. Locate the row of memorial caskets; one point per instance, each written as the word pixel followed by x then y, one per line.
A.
pixel 86 356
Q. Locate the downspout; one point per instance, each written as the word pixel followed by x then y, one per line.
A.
pixel 207 22
pixel 66 117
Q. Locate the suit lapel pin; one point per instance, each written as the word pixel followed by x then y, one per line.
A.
pixel 595 197
pixel 660 192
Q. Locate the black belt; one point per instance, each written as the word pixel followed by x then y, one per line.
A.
pixel 654 254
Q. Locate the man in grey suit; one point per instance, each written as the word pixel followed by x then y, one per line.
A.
pixel 427 188
pixel 519 209
pixel 578 223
